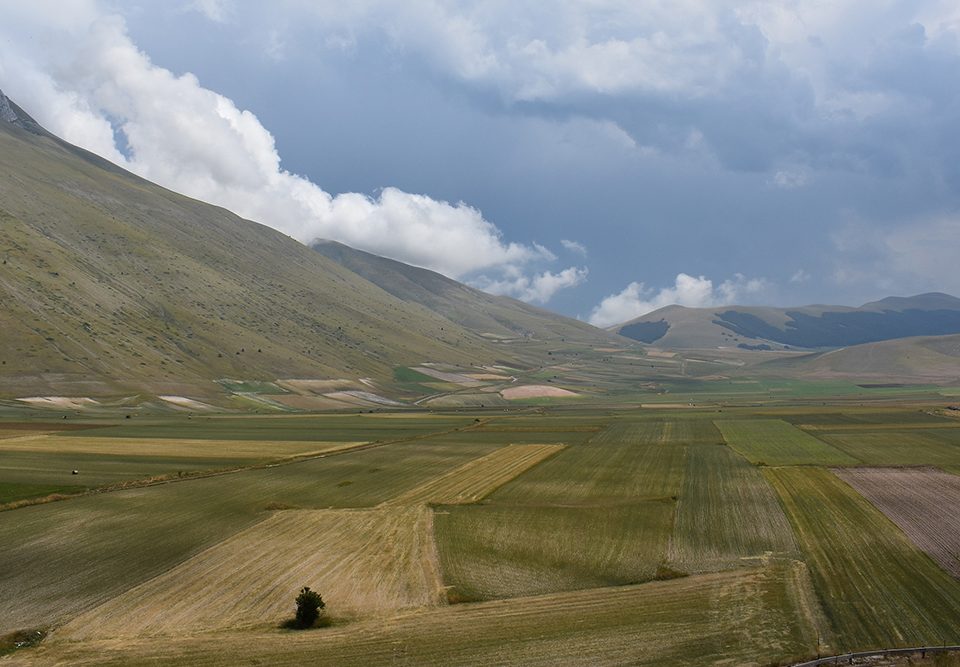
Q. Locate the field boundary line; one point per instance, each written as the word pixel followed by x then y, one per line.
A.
pixel 204 474
pixel 469 490
pixel 883 653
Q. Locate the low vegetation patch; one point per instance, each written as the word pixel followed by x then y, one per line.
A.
pixel 20 639
pixel 776 443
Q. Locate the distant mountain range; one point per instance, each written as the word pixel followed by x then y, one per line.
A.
pixel 110 284
pixel 807 327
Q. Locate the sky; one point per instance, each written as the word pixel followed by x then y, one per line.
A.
pixel 601 158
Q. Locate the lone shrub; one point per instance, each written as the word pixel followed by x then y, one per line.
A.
pixel 309 607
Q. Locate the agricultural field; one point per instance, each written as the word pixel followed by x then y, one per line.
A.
pixel 776 443
pixel 537 535
pixel 897 447
pixel 727 515
pixel 876 587
pixel 923 502
pixel 366 562
pixel 727 618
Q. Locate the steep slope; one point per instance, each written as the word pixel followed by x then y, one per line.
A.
pixel 817 326
pixel 497 316
pixel 934 359
pixel 111 284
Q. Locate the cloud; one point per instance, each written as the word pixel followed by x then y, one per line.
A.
pixel 99 91
pixel 215 10
pixel 800 276
pixel 636 299
pixel 909 257
pixel 539 288
pixel 574 246
pixel 766 85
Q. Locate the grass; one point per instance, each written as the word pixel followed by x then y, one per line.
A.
pixel 876 587
pixel 11 491
pixel 497 551
pixel 404 374
pixel 890 447
pixel 923 502
pixel 330 428
pixel 103 544
pixel 626 462
pixel 727 618
pixel 363 562
pixel 553 542
pixel 727 516
pixel 594 514
pixel 478 478
pixel 775 442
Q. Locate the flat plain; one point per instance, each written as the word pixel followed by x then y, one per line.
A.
pixel 560 535
pixel 923 502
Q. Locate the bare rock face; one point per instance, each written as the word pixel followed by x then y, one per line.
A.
pixel 7 114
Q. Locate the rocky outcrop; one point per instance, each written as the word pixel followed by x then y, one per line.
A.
pixel 7 114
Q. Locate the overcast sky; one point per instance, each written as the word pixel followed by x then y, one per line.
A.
pixel 601 157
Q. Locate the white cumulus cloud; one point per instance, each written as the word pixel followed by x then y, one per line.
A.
pixel 538 288
pixel 85 80
pixel 637 299
pixel 574 246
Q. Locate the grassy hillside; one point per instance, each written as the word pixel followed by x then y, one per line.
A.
pixel 478 311
pixel 934 359
pixel 113 285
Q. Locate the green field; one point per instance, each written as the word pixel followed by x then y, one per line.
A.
pixel 876 587
pixel 890 447
pixel 776 443
pixel 652 536
pixel 101 544
pixel 727 516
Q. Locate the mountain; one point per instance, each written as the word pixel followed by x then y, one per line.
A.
pixel 110 284
pixel 810 327
pixel 492 316
pixel 923 359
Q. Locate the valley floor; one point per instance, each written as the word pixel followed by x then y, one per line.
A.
pixel 571 535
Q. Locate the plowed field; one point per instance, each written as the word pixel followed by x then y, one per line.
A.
pixel 924 502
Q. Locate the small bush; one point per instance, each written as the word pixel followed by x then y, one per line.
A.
pixel 309 607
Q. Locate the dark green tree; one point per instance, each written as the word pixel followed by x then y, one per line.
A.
pixel 309 607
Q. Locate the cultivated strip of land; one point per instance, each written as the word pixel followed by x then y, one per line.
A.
pixel 924 502
pixel 727 514
pixel 477 479
pixel 876 587
pixel 776 443
pixel 744 617
pixel 365 562
pixel 183 447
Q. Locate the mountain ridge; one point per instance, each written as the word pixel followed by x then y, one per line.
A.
pixel 113 285
pixel 806 327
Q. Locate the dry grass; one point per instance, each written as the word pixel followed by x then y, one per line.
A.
pixel 169 447
pixel 477 479
pixel 365 562
pixel 729 618
pixel 536 391
pixel 924 502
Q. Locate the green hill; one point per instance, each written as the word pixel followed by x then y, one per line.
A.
pixel 757 327
pixel 113 285
pixel 925 359
pixel 492 316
